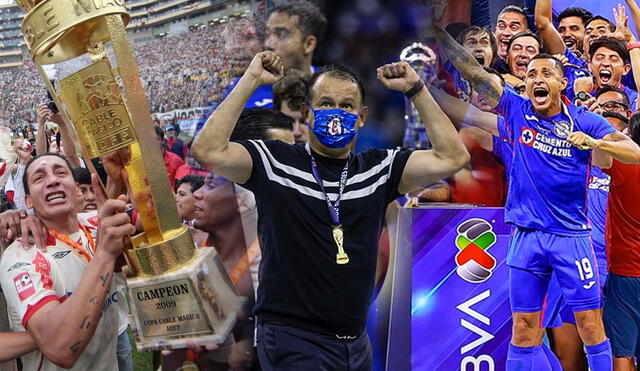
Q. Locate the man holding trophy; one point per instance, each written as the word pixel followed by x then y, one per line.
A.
pixel 58 295
pixel 179 294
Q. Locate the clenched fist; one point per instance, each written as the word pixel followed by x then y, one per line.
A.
pixel 266 68
pixel 584 84
pixel 582 140
pixel 398 76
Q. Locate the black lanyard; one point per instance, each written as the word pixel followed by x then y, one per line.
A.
pixel 334 207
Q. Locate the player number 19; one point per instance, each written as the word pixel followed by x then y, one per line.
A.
pixel 584 269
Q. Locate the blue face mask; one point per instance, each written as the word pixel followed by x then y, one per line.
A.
pixel 334 128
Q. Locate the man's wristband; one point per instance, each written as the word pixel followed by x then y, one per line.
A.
pixel 415 89
pixel 631 46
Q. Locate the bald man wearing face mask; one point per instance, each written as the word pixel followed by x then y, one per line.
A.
pixel 317 278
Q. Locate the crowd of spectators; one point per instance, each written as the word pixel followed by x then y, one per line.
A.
pixel 171 80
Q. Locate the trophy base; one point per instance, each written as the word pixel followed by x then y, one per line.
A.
pixel 196 303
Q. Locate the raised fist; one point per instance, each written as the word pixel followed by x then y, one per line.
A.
pixel 398 76
pixel 266 68
pixel 582 140
pixel 584 84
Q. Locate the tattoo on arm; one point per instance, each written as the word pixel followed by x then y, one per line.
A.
pixel 85 323
pixel 464 62
pixel 105 278
pixel 74 348
pixel 487 88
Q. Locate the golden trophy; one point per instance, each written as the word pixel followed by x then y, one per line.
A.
pixel 178 293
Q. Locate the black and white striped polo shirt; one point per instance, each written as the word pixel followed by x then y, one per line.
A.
pixel 300 282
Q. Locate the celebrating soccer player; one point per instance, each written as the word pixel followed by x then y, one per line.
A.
pixel 547 200
pixel 58 295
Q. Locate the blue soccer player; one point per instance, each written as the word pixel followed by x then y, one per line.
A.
pixel 614 106
pixel 547 200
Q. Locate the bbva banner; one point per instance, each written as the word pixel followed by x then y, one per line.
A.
pixel 450 294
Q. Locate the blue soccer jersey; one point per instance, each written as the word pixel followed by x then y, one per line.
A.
pixel 597 213
pixel 261 98
pixel 548 180
pixel 502 145
pixel 628 81
pixel 581 63
pixel 577 68
pixel 633 97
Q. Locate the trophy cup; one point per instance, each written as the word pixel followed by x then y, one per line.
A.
pixel 423 60
pixel 177 293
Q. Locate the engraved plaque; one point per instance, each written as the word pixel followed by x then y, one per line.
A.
pixel 169 308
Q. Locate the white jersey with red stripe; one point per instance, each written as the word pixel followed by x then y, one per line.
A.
pixel 32 278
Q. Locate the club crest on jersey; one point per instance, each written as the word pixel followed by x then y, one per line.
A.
pixel 562 129
pixel 544 143
pixel 43 267
pixel 335 126
pixel 527 136
pixel 24 285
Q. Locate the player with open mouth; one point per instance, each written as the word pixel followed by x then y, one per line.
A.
pixel 546 201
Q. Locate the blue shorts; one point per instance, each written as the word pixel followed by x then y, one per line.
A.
pixel 556 311
pixel 533 257
pixel 622 315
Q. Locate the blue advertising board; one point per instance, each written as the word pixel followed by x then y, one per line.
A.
pixel 450 307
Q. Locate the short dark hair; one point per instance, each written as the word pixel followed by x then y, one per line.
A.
pixel 254 123
pixel 311 21
pixel 606 89
pixel 555 60
pixel 576 11
pixel 82 175
pixel 634 127
pixel 612 26
pixel 25 176
pixel 159 132
pixel 339 71
pixel 454 29
pixel 291 88
pixel 515 9
pixel 525 33
pixel 194 180
pixel 478 29
pixel 610 43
